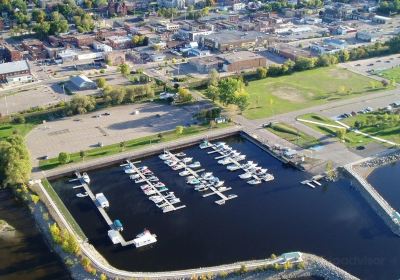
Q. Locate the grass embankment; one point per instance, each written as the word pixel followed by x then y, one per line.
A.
pixel 300 90
pixel 391 74
pixel 7 129
pixel 380 124
pixel 128 145
pixel 352 139
pixel 63 209
pixel 293 135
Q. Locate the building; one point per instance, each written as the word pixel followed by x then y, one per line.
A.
pixel 116 7
pixel 35 49
pixel 115 58
pixel 101 47
pixel 104 34
pixel 10 53
pixel 381 19
pixel 288 51
pixel 205 64
pixel 83 40
pixel 82 82
pixel 119 42
pixel 67 55
pixel 239 61
pixel 180 4
pixel 16 71
pixel 232 40
pixel 365 36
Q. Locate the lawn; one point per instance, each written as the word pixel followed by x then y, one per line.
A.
pixel 391 74
pixel 293 135
pixel 7 129
pixel 128 145
pixel 300 90
pixel 379 124
pixel 351 139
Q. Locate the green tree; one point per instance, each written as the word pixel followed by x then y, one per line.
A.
pixel 341 133
pixel 101 82
pixel 35 198
pixel 122 145
pixel 179 130
pixel 82 154
pixel 213 77
pixel 212 92
pixel 330 171
pixel 184 95
pixel 262 72
pixel 63 158
pixel 124 69
pixel 80 104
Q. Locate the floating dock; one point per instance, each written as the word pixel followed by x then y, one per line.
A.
pixel 171 206
pixel 103 213
pixel 313 182
pixel 214 190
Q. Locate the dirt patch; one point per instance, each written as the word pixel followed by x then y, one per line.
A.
pixel 290 94
pixel 340 74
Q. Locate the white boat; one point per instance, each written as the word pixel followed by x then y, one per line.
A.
pixel 187 159
pixel 240 158
pixel 191 177
pixel 178 166
pixel 145 187
pixel 162 205
pixel 254 182
pixel 143 168
pixel 134 176
pixel 225 161
pixel 156 198
pixel 194 181
pixel 85 194
pixel 233 167
pixel 130 171
pixel 153 179
pixel 219 144
pixel 168 208
pixel 86 178
pixel 268 177
pixel 219 183
pixel 170 195
pixel 174 200
pixel 206 175
pixel 223 188
pixel 159 185
pixel 260 171
pixel 202 189
pixel 170 162
pixel 147 172
pixel 144 238
pixel 181 154
pixel 149 191
pixel 205 144
pixel 141 180
pixel 164 156
pixel 246 175
pixel 184 173
pixel 195 164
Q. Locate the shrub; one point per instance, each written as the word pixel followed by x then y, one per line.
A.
pixel 63 158
pixel 19 119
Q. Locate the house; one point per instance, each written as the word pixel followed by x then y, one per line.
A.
pixel 102 200
pixel 16 71
pixel 82 82
pixel 119 42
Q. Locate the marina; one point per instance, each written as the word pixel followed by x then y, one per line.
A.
pixel 232 158
pixel 260 222
pixel 204 182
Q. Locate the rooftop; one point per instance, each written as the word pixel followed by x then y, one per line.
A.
pixel 232 35
pixel 15 66
pixel 239 56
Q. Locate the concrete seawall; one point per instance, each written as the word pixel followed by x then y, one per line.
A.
pixel 375 200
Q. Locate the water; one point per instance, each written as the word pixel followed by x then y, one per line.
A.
pixel 332 221
pixel 25 255
pixel 385 180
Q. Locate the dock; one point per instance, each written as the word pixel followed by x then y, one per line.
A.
pixel 103 213
pixel 171 207
pixel 214 190
pixel 313 182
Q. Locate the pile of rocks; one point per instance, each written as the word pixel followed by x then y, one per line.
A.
pixel 382 160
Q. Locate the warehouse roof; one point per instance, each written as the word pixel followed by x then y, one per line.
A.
pixel 15 66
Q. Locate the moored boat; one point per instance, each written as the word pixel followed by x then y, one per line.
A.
pixel 144 238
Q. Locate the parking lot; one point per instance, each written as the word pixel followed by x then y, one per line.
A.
pixel 367 66
pixel 87 131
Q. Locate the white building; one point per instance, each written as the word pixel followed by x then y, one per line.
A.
pixel 83 82
pixel 101 47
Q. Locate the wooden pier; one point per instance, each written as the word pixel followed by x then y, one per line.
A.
pixel 171 206
pixel 103 213
pixel 213 189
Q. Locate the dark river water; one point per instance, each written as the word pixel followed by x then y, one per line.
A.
pixel 332 221
pixel 25 255
pixel 386 180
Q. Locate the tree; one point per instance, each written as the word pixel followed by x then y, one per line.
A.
pixel 184 95
pixel 341 133
pixel 82 154
pixel 103 276
pixel 212 92
pixel 304 63
pixel 232 91
pixel 35 198
pixel 179 130
pixel 124 69
pixel 330 171
pixel 101 82
pixel 213 77
pixel 55 233
pixel 80 104
pixel 242 100
pixel 262 72
pixel 122 145
pixel 63 158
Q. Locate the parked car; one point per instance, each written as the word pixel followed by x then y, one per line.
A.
pixel 107 114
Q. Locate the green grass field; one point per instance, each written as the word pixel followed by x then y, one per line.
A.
pixel 391 74
pixel 8 129
pixel 293 135
pixel 300 90
pixel 386 126
pixel 351 139
pixel 129 145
